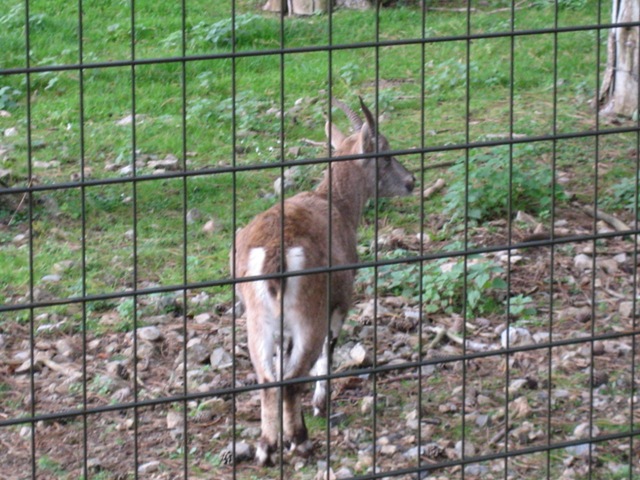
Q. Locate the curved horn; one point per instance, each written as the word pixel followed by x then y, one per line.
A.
pixel 356 121
pixel 368 115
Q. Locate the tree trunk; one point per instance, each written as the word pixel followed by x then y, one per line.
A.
pixel 297 7
pixel 619 90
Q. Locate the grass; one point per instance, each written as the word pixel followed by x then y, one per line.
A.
pixel 168 215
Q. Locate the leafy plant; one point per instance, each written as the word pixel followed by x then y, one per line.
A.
pixel 443 285
pixel 8 97
pixel 623 194
pixel 493 183
pixel 448 75
pixel 248 28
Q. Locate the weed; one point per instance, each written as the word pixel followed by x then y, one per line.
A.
pixel 49 465
pixel 8 97
pixel 494 182
pixel 623 194
pixel 444 288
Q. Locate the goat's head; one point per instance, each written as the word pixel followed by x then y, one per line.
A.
pixel 393 178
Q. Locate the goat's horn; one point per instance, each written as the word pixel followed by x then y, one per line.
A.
pixel 368 115
pixel 356 121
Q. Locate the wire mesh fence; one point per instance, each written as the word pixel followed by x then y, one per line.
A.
pixel 492 328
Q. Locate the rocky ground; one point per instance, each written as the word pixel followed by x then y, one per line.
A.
pixel 569 378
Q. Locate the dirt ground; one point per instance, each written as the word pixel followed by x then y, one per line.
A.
pixel 561 403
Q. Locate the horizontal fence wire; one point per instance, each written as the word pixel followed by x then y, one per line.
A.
pixel 112 391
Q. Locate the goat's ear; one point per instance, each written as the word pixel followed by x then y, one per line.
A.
pixel 367 139
pixel 337 137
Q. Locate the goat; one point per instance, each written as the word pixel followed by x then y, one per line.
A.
pixel 304 298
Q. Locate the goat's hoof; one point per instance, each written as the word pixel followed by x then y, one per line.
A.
pixel 319 411
pixel 264 453
pixel 304 449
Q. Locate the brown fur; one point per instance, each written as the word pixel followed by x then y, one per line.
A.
pixel 305 225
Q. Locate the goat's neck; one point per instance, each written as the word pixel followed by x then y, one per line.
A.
pixel 350 190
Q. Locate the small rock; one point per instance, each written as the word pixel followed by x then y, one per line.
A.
pixel 243 453
pixel 63 266
pixel 196 353
pixel 621 258
pixel 53 278
pixel 11 132
pixel 150 334
pixel 469 449
pixel 20 238
pixel 388 449
pixel 277 185
pixel 482 420
pixel 515 336
pixel 476 470
pixel 358 354
pixel 175 419
pixel 121 395
pixel 598 348
pixel 517 385
pixel 202 318
pixel 582 262
pixel 64 347
pixel 220 359
pixel 582 431
pixel 149 467
pixel 581 315
pixel 209 227
pixel 600 378
pixel 609 265
pixel 343 472
pixel 626 309
pixel 581 450
pixel 126 170
pixel 366 405
pixel 193 216
pixel 145 351
pixel 433 450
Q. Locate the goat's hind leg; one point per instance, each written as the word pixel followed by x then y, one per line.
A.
pixel 261 347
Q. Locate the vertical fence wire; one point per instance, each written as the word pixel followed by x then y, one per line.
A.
pixel 236 170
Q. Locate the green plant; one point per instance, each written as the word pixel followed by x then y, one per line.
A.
pixel 448 75
pixel 248 29
pixel 623 194
pixel 8 97
pixel 493 183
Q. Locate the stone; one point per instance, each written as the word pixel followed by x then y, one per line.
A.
pixel 366 405
pixel 196 353
pixel 149 467
pixel 582 262
pixel 469 449
pixel 515 336
pixel 220 359
pixel 626 309
pixel 150 334
pixel 209 227
pixel 52 278
pixel 581 450
pixel 202 318
pixel 175 419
